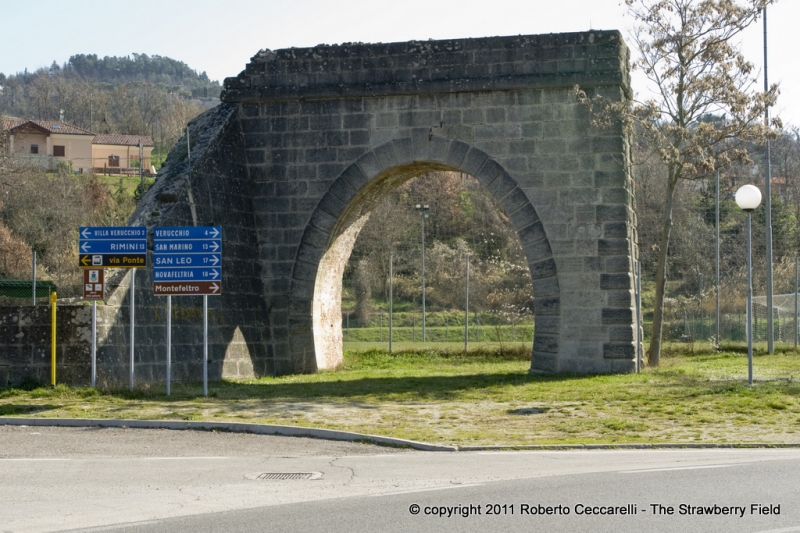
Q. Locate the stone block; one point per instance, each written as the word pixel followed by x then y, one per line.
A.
pixel 613 246
pixel 524 216
pixel 473 161
pixel 545 343
pixel 615 281
pixel 488 172
pixel 385 155
pixel 537 250
pixel 615 230
pixel 617 264
pixel 547 306
pixel 456 154
pixel 369 165
pixel 544 363
pixel 543 269
pixel 502 185
pixel 355 177
pixel 619 350
pixel 403 151
pixel 514 200
pixel 617 316
pixel 438 149
pixel 420 143
pixel 621 333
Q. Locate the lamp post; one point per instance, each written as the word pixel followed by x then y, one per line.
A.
pixel 423 212
pixel 748 198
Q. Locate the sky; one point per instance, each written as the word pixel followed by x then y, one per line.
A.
pixel 219 37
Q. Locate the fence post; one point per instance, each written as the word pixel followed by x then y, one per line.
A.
pixel 466 309
pixel 33 285
pixel 391 299
pixel 53 299
pixel 638 316
pixel 795 303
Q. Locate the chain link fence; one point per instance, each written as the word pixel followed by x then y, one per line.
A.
pixel 693 293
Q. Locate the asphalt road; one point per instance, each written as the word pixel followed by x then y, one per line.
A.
pixel 57 479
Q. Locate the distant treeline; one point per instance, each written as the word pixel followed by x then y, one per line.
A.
pixel 139 95
pixel 176 75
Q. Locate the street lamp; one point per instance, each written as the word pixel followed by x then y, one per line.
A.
pixel 423 212
pixel 748 198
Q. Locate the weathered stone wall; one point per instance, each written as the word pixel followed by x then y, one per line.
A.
pixel 204 185
pixel 307 142
pixel 26 343
pixel 329 130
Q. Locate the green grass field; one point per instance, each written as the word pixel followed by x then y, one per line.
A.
pixel 481 398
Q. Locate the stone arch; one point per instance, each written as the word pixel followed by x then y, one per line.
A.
pixel 315 297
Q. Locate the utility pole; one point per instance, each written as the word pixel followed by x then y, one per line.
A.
pixel 768 205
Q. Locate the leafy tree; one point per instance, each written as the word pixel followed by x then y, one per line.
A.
pixel 688 54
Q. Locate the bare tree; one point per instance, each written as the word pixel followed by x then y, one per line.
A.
pixel 696 70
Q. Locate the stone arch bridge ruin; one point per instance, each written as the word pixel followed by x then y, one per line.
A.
pixel 307 141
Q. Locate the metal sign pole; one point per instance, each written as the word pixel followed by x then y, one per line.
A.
pixel 94 342
pixel 205 345
pixel 391 298
pixel 169 342
pixel 53 307
pixel 132 312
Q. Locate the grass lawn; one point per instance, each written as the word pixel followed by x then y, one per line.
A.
pixel 481 398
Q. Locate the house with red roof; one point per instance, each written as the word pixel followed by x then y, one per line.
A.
pixel 48 143
pixel 113 153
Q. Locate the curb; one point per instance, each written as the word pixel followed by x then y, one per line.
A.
pixel 233 427
pixel 331 434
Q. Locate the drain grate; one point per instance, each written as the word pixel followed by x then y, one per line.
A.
pixel 268 476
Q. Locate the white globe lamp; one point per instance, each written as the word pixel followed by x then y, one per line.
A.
pixel 748 198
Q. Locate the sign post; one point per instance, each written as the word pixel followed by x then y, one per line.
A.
pixel 113 247
pixel 188 261
pixel 94 289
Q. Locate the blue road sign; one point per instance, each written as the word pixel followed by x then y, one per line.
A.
pixel 191 232
pixel 174 260
pixel 112 246
pixel 187 260
pixel 187 274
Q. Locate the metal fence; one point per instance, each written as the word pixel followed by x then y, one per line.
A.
pixel 438 265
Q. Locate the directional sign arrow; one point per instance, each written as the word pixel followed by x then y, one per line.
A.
pixel 215 246
pixel 215 273
pixel 215 288
pixel 86 260
pixel 215 234
pixel 85 247
pixel 214 260
pixel 86 233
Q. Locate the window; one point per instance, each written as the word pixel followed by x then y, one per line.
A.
pixel 58 151
pixel 113 161
pixel 34 148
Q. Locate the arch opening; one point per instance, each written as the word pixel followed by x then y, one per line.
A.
pixel 348 212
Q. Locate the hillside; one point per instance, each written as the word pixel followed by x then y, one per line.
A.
pixel 175 76
pixel 131 95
